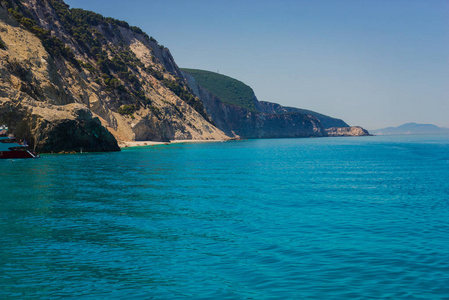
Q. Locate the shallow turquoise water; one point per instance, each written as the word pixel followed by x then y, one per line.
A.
pixel 327 218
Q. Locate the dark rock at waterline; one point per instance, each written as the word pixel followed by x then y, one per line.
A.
pixel 49 128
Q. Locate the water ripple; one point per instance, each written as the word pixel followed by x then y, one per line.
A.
pixel 264 219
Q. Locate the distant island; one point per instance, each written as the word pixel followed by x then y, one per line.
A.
pixel 411 128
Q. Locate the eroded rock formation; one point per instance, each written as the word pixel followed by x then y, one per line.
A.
pixel 347 131
pixel 57 56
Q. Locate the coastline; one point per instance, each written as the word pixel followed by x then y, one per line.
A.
pixel 127 144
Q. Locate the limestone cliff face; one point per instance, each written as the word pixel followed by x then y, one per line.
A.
pixel 248 124
pixel 347 131
pixel 242 115
pixel 48 128
pixel 53 57
pixel 239 122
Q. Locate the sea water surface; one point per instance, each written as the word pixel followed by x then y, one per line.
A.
pixel 324 218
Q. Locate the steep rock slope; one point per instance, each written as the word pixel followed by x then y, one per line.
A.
pixel 235 92
pixel 57 56
pixel 412 128
pixel 274 108
pixel 244 116
pixel 227 89
pixel 71 127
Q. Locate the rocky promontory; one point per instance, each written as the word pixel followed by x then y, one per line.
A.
pixel 52 56
pixel 347 131
pixel 73 80
pixel 49 128
pixel 235 109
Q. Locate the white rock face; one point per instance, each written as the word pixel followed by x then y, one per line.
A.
pixel 34 81
pixel 347 131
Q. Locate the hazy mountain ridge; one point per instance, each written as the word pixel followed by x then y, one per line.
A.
pixel 411 128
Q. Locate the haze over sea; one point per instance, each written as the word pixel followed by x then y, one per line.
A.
pixel 327 218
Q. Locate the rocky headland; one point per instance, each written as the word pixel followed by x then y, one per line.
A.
pixel 72 79
pixel 241 114
pixel 347 131
pixel 52 57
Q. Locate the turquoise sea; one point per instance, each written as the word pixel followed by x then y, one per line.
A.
pixel 323 218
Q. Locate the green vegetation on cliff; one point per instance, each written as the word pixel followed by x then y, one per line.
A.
pixel 227 89
pixel 114 66
pixel 127 110
pixel 124 63
pixel 327 121
pixel 177 86
pixel 51 43
pixel 2 45
pixel 100 64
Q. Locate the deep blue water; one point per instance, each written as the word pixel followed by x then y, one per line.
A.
pixel 326 218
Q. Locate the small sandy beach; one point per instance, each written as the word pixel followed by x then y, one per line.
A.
pixel 126 144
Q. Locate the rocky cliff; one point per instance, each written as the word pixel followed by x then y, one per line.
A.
pixel 73 79
pixel 347 131
pixel 81 73
pixel 247 117
pixel 70 127
pixel 235 109
pixel 326 121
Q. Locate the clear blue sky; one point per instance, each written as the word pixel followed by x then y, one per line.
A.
pixel 374 63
